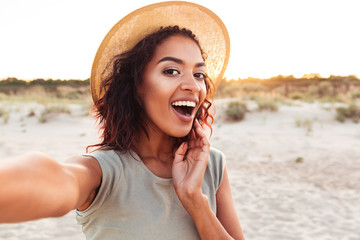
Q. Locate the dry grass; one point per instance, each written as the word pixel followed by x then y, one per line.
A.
pixel 48 103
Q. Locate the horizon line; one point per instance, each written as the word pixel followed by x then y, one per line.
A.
pixel 306 75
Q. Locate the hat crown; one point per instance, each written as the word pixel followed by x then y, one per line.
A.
pixel 125 34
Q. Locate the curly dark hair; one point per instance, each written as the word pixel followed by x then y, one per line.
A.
pixel 119 110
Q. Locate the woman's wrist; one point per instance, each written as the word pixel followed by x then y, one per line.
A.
pixel 194 202
pixel 199 209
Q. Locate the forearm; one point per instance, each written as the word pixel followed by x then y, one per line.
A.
pixel 31 188
pixel 207 224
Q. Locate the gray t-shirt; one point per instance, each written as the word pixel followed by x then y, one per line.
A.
pixel 133 203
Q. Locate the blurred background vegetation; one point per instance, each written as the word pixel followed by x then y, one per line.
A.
pixel 308 88
pixel 40 89
pixel 267 94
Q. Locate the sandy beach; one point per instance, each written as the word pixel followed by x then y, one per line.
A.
pixel 295 173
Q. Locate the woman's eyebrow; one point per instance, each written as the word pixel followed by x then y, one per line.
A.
pixel 179 61
pixel 172 59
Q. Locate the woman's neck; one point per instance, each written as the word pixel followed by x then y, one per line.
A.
pixel 156 146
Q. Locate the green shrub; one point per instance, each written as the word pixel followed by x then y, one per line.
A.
pixel 236 111
pixel 340 117
pixel 74 95
pixel 305 123
pixel 313 90
pixel 56 109
pixel 325 89
pixel 43 118
pixel 5 115
pixel 267 104
pixel 351 112
pixel 297 96
pixel 356 95
pixel 31 113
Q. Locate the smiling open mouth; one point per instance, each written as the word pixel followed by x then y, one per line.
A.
pixel 184 107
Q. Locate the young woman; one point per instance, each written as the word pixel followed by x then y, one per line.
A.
pixel 154 174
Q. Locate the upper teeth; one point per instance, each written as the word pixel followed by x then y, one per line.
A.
pixel 184 103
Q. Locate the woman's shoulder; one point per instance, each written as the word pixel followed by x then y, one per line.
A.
pixel 215 171
pixel 216 155
pixel 111 161
pixel 101 153
pixel 109 156
pixel 217 162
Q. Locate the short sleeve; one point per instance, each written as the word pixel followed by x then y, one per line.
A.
pixel 217 162
pixel 111 167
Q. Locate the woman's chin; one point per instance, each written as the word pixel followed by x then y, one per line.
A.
pixel 181 134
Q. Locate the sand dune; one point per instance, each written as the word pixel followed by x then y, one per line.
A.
pixel 277 197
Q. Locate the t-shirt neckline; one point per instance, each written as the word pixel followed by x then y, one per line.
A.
pixel 156 178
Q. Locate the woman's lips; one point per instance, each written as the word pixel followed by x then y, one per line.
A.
pixel 186 117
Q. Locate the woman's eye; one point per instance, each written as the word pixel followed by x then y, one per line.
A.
pixel 200 75
pixel 171 72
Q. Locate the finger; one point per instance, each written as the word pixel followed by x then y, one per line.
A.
pixel 196 123
pixel 201 134
pixel 196 126
pixel 180 152
pixel 192 135
pixel 199 129
pixel 192 139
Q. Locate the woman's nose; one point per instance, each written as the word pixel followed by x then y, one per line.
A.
pixel 190 83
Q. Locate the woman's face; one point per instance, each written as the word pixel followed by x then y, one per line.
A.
pixel 173 86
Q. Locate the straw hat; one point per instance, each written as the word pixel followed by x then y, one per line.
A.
pixel 206 25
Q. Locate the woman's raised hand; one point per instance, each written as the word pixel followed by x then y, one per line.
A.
pixel 189 166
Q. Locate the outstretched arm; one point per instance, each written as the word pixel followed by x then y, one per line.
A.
pixel 35 186
pixel 225 208
pixel 189 167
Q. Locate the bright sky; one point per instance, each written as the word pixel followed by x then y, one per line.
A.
pixel 59 38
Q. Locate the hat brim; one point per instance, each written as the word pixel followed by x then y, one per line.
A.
pixel 125 34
